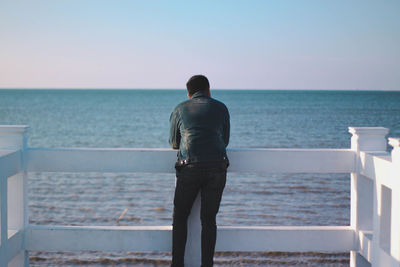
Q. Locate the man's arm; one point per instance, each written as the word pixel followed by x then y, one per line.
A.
pixel 174 133
pixel 227 127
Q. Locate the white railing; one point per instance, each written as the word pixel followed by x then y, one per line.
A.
pixel 373 235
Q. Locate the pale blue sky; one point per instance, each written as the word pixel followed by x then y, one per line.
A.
pixel 237 44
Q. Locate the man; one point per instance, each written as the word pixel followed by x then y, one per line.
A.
pixel 200 130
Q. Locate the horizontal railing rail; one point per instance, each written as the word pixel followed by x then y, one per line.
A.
pixel 162 160
pixel 158 238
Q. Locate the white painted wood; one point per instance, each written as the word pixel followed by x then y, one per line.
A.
pixel 10 163
pixel 16 202
pixel 101 160
pixel 25 200
pixel 286 238
pixel 385 218
pixel 193 243
pixel 374 163
pixel 18 260
pixel 357 260
pixel 364 139
pixel 15 244
pixel 365 243
pixel 103 238
pixel 13 129
pixel 395 212
pixel 362 189
pixel 381 258
pixel 13 136
pixel 380 254
pixel 162 160
pixel 368 138
pixel 158 238
pixel 3 222
pixel 291 160
pixel 383 247
pixel 395 225
pixel 376 223
pixel 375 198
pixel 365 210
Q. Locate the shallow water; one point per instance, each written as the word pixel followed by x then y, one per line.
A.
pixel 249 199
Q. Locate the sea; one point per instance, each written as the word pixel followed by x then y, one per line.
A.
pixel 140 119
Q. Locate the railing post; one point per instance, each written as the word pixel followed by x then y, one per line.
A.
pixel 395 212
pixel 3 221
pixel 362 189
pixel 193 241
pixel 13 137
pixel 193 244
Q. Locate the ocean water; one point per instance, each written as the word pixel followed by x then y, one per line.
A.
pixel 139 118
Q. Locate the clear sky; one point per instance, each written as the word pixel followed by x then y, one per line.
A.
pixel 249 44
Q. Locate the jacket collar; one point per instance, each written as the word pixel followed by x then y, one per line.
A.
pixel 200 94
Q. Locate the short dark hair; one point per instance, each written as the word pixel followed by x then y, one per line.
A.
pixel 197 83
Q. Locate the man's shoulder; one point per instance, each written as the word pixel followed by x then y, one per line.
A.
pixel 210 100
pixel 181 105
pixel 219 104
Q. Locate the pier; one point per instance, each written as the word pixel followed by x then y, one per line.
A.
pixel 372 238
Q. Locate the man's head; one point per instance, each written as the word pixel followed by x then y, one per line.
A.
pixel 198 83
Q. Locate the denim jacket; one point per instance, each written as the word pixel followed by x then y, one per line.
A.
pixel 199 128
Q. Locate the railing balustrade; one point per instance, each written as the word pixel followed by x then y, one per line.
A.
pixel 373 236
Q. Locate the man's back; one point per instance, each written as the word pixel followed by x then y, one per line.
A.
pixel 200 129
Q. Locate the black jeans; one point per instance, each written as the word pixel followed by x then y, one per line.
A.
pixel 209 179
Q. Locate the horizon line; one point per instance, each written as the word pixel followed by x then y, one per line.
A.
pixel 232 89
